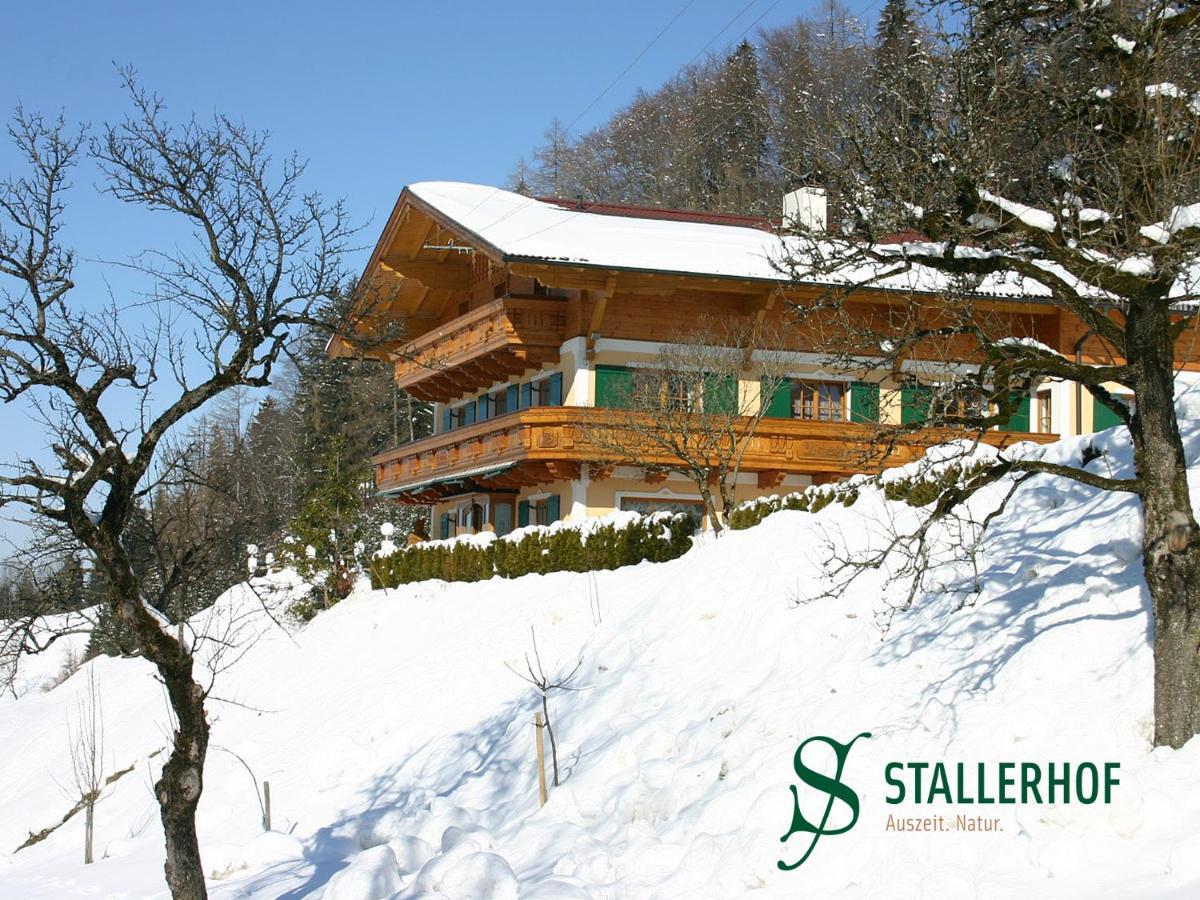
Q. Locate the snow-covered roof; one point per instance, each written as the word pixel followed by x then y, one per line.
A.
pixel 525 228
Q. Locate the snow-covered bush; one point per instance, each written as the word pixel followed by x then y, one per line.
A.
pixel 811 499
pixel 921 488
pixel 622 539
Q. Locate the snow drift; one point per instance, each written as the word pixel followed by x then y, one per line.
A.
pixel 399 746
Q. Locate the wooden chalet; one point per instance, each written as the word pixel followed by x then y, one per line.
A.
pixel 521 316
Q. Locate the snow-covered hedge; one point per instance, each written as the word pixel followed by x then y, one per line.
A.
pixel 925 483
pixel 607 542
pixel 811 499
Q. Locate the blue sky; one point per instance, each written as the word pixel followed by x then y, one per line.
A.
pixel 375 95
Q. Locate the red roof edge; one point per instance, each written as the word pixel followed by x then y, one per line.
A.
pixel 653 212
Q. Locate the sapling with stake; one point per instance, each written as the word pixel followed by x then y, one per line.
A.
pixel 535 674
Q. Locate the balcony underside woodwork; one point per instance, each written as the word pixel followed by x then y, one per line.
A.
pixel 494 343
pixel 547 444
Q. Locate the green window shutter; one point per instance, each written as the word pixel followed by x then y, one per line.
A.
pixel 614 387
pixel 780 404
pixel 522 513
pixel 1020 419
pixel 720 394
pixel 914 403
pixel 864 401
pixel 444 526
pixel 1103 417
pixel 552 509
pixel 555 391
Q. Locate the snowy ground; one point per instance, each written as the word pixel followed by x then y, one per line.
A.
pixel 399 747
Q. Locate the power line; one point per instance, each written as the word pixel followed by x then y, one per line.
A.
pixel 635 61
pixel 712 40
pixel 597 99
pixel 697 140
pixel 759 19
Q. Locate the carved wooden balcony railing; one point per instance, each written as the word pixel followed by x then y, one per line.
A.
pixel 545 444
pixel 493 343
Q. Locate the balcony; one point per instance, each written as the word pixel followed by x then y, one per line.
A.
pixel 544 444
pixel 495 342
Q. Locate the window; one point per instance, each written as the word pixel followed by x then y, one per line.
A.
pixel 958 404
pixel 647 505
pixel 677 392
pixel 498 403
pixel 543 392
pixel 1045 412
pixel 502 518
pixel 542 511
pixel 549 390
pixel 471 517
pixel 822 401
pixel 539 512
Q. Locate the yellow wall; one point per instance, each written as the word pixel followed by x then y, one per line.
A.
pixel 604 496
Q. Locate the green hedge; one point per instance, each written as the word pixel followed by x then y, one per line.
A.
pixel 915 491
pixel 657 538
pixel 921 491
pixel 812 499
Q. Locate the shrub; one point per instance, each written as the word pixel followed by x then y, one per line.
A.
pixel 918 490
pixel 811 499
pixel 925 489
pixel 583 547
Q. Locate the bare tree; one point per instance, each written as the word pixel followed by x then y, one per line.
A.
pixel 1057 157
pixel 688 413
pixel 86 741
pixel 218 317
pixel 545 685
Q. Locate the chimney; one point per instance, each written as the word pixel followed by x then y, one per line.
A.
pixel 806 209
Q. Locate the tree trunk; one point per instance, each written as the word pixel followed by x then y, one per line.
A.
pixel 710 505
pixel 88 832
pixel 182 781
pixel 1170 542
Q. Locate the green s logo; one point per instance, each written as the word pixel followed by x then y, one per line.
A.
pixel 833 787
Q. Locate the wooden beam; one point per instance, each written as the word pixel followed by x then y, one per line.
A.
pixel 593 334
pixel 768 302
pixel 442 276
pixel 414 248
pixel 770 479
pixel 562 471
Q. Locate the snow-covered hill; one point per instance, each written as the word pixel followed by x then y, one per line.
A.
pixel 399 747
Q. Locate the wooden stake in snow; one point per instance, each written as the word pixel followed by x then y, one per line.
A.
pixel 541 758
pixel 266 806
